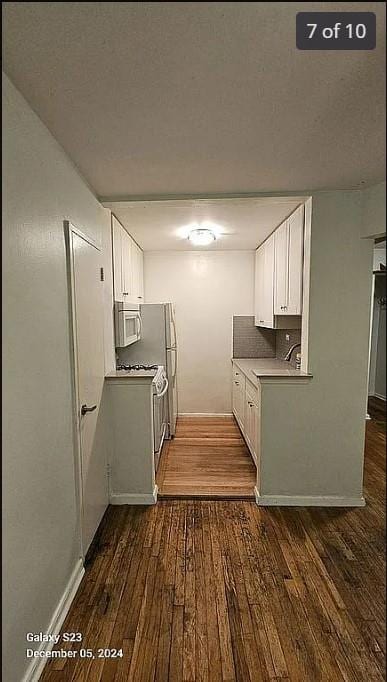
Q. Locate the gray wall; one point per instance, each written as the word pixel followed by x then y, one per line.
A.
pixel 249 341
pixel 374 211
pixel 319 449
pixel 40 190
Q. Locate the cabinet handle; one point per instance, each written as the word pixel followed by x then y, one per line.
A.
pixel 85 409
pixel 236 382
pixel 125 293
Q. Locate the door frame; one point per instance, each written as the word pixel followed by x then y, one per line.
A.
pixel 69 231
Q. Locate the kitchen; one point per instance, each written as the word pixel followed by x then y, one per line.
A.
pixel 181 338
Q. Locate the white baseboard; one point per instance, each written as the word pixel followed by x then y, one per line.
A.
pixel 378 395
pixel 205 414
pixel 134 498
pixel 307 500
pixel 36 666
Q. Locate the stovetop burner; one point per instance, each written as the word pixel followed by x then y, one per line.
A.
pixel 137 367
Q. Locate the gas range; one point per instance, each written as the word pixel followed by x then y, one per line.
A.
pixel 130 368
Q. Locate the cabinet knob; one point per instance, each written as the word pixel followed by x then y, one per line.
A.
pixel 236 382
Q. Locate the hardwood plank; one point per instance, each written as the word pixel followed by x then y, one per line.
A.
pixel 208 457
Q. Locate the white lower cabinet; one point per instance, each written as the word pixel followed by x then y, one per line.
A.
pixel 246 409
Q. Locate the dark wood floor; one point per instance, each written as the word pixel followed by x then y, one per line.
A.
pixel 377 409
pixel 223 590
pixel 207 458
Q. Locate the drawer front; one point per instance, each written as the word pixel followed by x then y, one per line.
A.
pixel 238 377
pixel 237 373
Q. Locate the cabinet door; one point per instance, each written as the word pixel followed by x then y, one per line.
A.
pixel 137 274
pixel 248 421
pixel 268 283
pixel 258 291
pixel 295 259
pixel 140 290
pixel 238 402
pixel 117 259
pixel 251 421
pixel 281 243
pixel 126 266
pixel 264 283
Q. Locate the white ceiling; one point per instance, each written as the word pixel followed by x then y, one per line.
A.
pixel 152 98
pixel 163 225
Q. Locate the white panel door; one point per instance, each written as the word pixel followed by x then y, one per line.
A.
pixel 281 239
pixel 87 300
pixel 295 259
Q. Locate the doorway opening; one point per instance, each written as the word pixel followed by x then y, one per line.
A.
pixel 377 358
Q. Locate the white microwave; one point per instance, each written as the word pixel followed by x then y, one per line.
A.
pixel 127 323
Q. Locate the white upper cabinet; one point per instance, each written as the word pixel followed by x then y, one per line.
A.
pixel 264 284
pixel 128 266
pixel 278 273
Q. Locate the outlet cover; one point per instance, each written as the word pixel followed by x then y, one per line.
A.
pixel 287 337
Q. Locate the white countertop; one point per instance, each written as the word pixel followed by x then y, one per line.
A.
pixel 268 367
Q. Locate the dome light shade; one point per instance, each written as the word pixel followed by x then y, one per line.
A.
pixel 201 236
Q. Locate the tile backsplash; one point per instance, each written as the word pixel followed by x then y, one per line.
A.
pixel 282 345
pixel 250 341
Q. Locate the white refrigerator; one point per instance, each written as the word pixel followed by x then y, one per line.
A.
pixel 157 346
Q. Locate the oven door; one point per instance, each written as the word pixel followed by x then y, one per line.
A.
pixel 128 327
pixel 159 422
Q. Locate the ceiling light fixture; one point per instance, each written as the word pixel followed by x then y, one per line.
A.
pixel 201 236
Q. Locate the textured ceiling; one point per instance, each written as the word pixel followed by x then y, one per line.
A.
pixel 240 223
pixel 188 97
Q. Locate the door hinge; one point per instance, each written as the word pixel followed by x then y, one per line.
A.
pixel 108 470
pixel 102 274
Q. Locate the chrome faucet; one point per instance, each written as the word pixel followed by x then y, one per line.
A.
pixel 290 351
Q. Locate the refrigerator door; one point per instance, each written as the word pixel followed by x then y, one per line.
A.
pixel 170 326
pixel 172 392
